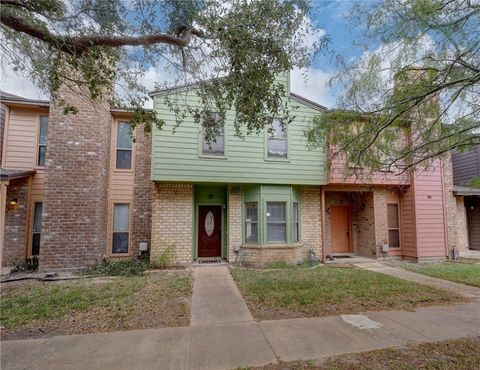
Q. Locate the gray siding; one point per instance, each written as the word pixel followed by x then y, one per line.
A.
pixel 466 166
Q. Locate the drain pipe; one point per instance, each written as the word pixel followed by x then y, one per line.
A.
pixel 322 220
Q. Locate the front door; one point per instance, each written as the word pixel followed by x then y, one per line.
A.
pixel 340 229
pixel 209 231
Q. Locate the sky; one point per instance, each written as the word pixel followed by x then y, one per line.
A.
pixel 331 16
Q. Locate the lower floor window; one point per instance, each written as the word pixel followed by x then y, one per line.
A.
pixel 251 222
pixel 121 222
pixel 37 228
pixel 295 222
pixel 276 222
pixel 393 226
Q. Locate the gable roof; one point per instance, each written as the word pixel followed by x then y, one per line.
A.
pixel 188 86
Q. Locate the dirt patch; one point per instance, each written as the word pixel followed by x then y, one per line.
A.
pixel 453 354
pixel 38 309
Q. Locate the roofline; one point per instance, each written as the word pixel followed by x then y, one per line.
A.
pixel 17 175
pixel 166 90
pixel 306 101
pixel 465 190
pixel 24 101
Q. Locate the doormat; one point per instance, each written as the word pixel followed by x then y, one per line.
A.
pixel 205 261
pixel 342 257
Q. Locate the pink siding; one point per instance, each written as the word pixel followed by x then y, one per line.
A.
pixel 430 212
pixel 339 173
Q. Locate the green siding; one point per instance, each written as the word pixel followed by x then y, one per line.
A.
pixel 176 156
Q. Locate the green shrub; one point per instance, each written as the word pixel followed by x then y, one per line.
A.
pixel 164 259
pixel 28 265
pixel 117 268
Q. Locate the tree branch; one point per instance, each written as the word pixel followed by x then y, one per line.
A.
pixel 78 45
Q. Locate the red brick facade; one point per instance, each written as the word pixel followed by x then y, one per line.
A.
pixel 76 184
pixel 143 192
pixel 16 231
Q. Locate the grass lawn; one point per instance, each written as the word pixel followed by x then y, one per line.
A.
pixel 461 271
pixel 452 354
pixel 36 309
pixel 328 290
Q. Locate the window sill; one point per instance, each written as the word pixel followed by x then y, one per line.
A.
pixel 206 156
pixel 120 170
pixel 119 255
pixel 282 160
pixel 272 246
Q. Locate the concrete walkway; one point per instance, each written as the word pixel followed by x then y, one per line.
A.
pixel 228 343
pixel 461 289
pixel 216 298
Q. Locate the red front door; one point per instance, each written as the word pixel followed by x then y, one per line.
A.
pixel 209 231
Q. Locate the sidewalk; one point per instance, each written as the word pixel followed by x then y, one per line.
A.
pixel 221 342
pixel 461 289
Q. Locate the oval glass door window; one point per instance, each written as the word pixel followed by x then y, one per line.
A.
pixel 209 223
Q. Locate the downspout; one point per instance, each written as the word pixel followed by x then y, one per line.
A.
pixel 322 219
pixel 445 229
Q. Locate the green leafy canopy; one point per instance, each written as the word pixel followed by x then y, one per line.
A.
pixel 232 50
pixel 416 87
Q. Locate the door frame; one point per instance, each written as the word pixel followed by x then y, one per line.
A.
pixel 195 229
pixel 350 228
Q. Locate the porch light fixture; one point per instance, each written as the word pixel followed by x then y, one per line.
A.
pixel 14 202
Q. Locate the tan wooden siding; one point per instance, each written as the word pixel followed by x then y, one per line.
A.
pixel 21 137
pixel 121 189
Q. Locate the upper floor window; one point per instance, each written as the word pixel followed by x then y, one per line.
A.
pixel 216 145
pixel 42 141
pixel 121 227
pixel 277 146
pixel 124 146
pixel 393 226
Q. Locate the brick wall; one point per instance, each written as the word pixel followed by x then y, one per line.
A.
pixel 76 183
pixel 172 222
pixel 16 222
pixel 260 255
pixel 381 220
pixel 461 241
pixel 234 207
pixel 364 224
pixel 310 220
pixel 450 202
pixel 143 192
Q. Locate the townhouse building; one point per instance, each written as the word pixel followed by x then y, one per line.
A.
pixel 80 188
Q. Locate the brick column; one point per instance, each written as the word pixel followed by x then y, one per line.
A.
pixel 15 222
pixel 234 207
pixel 450 203
pixel 310 220
pixel 172 222
pixel 76 183
pixel 143 191
pixel 381 220
pixel 461 224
